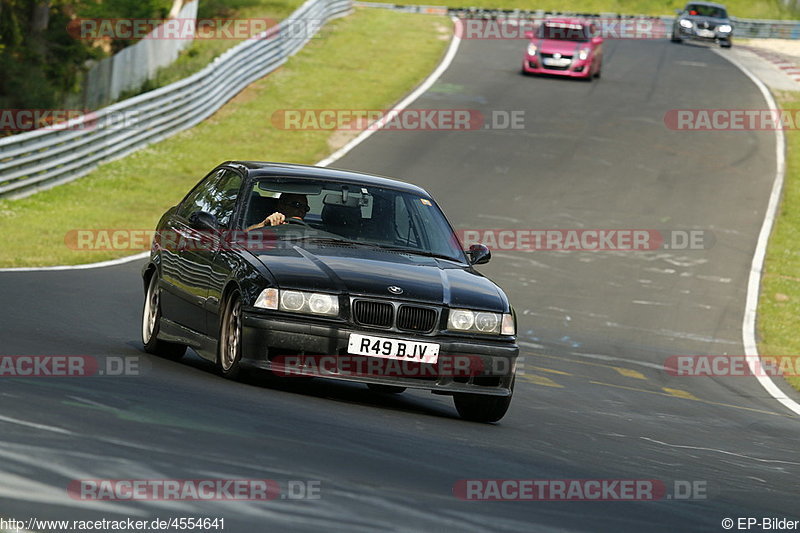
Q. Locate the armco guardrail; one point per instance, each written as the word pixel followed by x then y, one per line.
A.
pixel 47 157
pixel 743 28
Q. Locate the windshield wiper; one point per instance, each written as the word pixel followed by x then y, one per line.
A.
pixel 329 240
pixel 417 251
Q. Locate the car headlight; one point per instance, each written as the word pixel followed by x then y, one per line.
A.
pixel 532 49
pixel 725 28
pixel 685 23
pixel 313 303
pixel 584 53
pixel 480 322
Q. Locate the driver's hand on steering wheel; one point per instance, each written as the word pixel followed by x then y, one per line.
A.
pixel 275 219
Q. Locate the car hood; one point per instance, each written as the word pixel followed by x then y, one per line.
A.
pixel 560 46
pixel 370 272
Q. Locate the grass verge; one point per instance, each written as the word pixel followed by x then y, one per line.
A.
pixel 779 303
pixel 760 9
pixel 346 68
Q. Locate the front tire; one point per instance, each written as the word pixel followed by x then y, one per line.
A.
pixel 482 408
pixel 229 347
pixel 726 43
pixel 674 38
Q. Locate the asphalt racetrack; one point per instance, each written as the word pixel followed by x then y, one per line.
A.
pixel 596 329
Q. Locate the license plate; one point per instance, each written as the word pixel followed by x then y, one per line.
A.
pixel 553 62
pixel 419 352
pixel 705 33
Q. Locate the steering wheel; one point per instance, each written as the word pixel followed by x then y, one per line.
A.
pixel 296 221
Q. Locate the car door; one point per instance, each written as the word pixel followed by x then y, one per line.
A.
pixel 176 301
pixel 206 267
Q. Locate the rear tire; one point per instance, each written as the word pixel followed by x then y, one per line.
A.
pixel 481 407
pixel 229 346
pixel 151 324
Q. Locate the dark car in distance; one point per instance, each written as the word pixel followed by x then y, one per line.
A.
pixel 371 286
pixel 703 21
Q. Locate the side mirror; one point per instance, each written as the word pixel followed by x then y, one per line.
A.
pixel 201 220
pixel 678 11
pixel 529 34
pixel 597 40
pixel 479 254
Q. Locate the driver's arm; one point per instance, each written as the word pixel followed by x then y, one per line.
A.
pixel 275 219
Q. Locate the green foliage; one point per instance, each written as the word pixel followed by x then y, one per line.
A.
pixel 115 9
pixel 41 70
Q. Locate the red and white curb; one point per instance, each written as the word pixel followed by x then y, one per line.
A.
pixel 786 64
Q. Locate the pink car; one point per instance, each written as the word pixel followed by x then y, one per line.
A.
pixel 564 47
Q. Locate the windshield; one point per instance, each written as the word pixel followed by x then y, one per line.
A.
pixel 353 213
pixel 706 11
pixel 564 31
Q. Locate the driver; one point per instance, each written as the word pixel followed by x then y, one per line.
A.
pixel 292 206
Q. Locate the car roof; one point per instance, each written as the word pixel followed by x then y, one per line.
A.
pixel 709 4
pixel 264 169
pixel 563 20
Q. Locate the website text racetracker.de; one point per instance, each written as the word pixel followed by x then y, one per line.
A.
pixel 392 364
pixel 521 28
pixel 510 239
pixel 578 490
pixel 398 119
pixel 70 366
pixel 190 28
pixel 192 490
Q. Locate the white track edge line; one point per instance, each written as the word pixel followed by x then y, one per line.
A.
pixel 112 262
pixel 429 81
pixel 377 125
pixel 757 266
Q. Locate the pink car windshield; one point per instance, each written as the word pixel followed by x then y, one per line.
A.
pixel 564 31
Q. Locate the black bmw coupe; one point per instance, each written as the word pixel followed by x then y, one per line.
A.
pixel 361 279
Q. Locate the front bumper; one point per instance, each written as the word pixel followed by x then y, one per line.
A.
pixel 692 34
pixel 577 69
pixel 491 364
